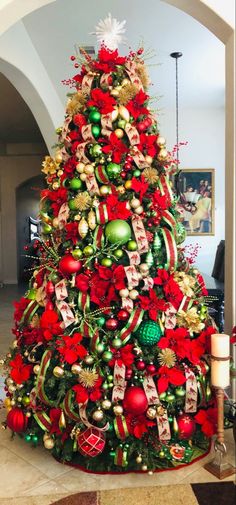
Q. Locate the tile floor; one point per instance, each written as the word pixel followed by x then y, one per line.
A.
pixel 32 477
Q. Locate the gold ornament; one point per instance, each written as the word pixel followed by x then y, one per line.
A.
pixel 92 220
pixel 88 377
pixel 162 155
pixel 76 103
pixel 55 222
pixel 124 293
pixel 167 358
pixel 121 189
pixel 104 190
pixel 144 468
pixel 49 443
pixel 89 360
pixel 139 459
pixel 49 166
pixel 76 368
pixel 106 404
pixel 118 410
pixel 160 410
pixel 127 93
pixel 114 92
pixel 149 159
pixel 135 203
pixel 59 172
pixel 161 141
pixel 13 402
pixel 125 82
pixel 128 185
pixel 150 175
pixel 190 320
pixel 11 388
pixel 119 133
pixel 88 169
pixel 186 283
pixel 36 369
pixel 124 113
pixel 56 185
pixel 58 371
pixel 80 167
pixel 58 157
pixel 83 177
pixel 151 413
pixel 139 210
pixel 62 421
pixel 82 201
pixel 77 217
pixel 144 268
pixel 46 436
pixel 83 227
pixel 98 415
pixel 133 294
pixel 114 114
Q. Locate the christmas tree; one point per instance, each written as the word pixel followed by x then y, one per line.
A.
pixel 109 367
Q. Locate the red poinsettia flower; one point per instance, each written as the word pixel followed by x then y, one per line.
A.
pixel 162 277
pixel 56 197
pixel 169 376
pixel 72 232
pixel 173 293
pixel 20 372
pixel 79 120
pixel 139 186
pixel 152 304
pixel 49 324
pixel 201 283
pixel 105 283
pixel 136 105
pixel 84 281
pixel 148 144
pixel 138 425
pixel 71 349
pixel 20 308
pixel 83 394
pixel 116 209
pixel 208 420
pixel 115 147
pixel 160 202
pixel 55 415
pixel 104 102
pixel 123 356
pixel 107 60
pixel 30 336
pixel 175 340
pixel 205 338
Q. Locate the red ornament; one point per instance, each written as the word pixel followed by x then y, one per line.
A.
pixel 50 288
pixel 111 324
pixel 16 420
pixel 123 315
pixel 49 305
pixel 140 365
pixel 151 368
pixel 91 442
pixel 128 373
pixel 135 400
pixel 68 265
pixel 141 126
pixel 186 425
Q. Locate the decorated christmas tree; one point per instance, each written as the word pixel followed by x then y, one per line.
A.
pixel 109 366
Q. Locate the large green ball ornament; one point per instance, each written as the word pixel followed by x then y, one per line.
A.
pixel 148 333
pixel 118 232
pixel 96 150
pixel 113 170
pixel 94 116
pixel 96 131
pixel 76 184
pixel 180 233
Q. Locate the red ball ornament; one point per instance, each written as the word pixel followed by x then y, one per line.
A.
pixel 128 373
pixel 123 315
pixel 50 288
pixel 135 400
pixel 111 324
pixel 68 265
pixel 123 174
pixel 91 442
pixel 140 365
pixel 141 127
pixel 151 368
pixel 186 426
pixel 16 420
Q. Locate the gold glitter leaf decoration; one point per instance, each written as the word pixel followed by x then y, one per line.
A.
pixel 88 377
pixel 190 320
pixel 83 201
pixel 167 358
pixel 49 165
pixel 83 227
pixel 76 103
pixel 127 93
pixel 151 175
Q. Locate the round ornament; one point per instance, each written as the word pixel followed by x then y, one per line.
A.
pixel 132 245
pixel 75 184
pixel 118 253
pixel 180 233
pixel 16 420
pixel 69 265
pixel 107 356
pixel 111 324
pixel 58 371
pixel 151 413
pixel 186 426
pixel 113 170
pixel 135 400
pixel 76 368
pixel 98 415
pixel 96 150
pixel 149 333
pixel 118 410
pixel 106 262
pixel 91 442
pixel 118 231
pixel 96 131
pixel 94 116
pixel 49 443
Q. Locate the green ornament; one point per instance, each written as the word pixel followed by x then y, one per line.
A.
pixel 113 170
pixel 105 386
pixel 72 204
pixel 161 455
pixel 77 253
pixel 27 438
pixel 106 262
pixel 156 242
pixel 136 173
pixel 35 439
pixel 46 229
pixel 101 321
pixel 107 356
pixel 94 116
pixel 88 250
pixel 170 398
pixel 96 150
pixel 180 233
pixel 162 396
pixel 116 343
pixel 180 391
pixel 26 400
pixel 76 184
pixel 54 277
pixel 132 245
pixel 118 232
pixel 121 124
pixel 100 347
pixel 148 333
pixel 96 131
pixel 31 294
pixel 118 253
pixel 66 183
pixel 149 259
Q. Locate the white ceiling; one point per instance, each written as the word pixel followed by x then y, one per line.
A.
pixel 55 29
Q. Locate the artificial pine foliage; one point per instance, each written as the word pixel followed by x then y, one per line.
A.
pixel 109 367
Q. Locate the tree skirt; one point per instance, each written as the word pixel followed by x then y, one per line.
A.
pixel 222 493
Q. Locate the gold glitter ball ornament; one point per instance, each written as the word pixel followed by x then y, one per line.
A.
pixel 88 377
pixel 150 175
pixel 83 201
pixel 167 358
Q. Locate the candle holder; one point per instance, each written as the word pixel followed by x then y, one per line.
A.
pixel 219 466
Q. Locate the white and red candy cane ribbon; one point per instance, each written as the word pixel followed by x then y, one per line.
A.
pixel 66 312
pixel 151 390
pixel 119 381
pixel 170 317
pixel 191 391
pixel 171 249
pixel 134 257
pixel 130 68
pixel 86 132
pixel 132 324
pixel 87 84
pixel 61 290
pixel 84 419
pixel 63 215
pixel 140 234
pixel 92 185
pixel 80 153
pixel 106 123
pixel 132 276
pixel 132 134
pixel 163 425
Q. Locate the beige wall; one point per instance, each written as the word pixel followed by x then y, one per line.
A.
pixel 14 169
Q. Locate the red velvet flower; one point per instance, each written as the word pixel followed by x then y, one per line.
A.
pixel 139 186
pixel 136 105
pixel 102 100
pixel 71 349
pixel 116 209
pixel 49 324
pixel 152 304
pixel 169 376
pixel 83 394
pixel 72 232
pixel 55 415
pixel 138 425
pixel 173 293
pixel 115 147
pixel 20 308
pixel 208 420
pixel 160 202
pixel 148 144
pixel 79 120
pixel 107 60
pixel 175 340
pixel 56 197
pixel 19 371
pixel 69 166
pixel 30 336
pixel 105 283
pixel 123 356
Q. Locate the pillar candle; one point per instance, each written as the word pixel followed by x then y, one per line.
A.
pixel 220 369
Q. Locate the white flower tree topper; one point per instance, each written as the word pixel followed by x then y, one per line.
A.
pixel 110 32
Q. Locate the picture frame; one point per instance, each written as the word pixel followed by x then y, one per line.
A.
pixel 197 200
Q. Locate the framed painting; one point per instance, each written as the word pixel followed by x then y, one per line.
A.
pixel 197 200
